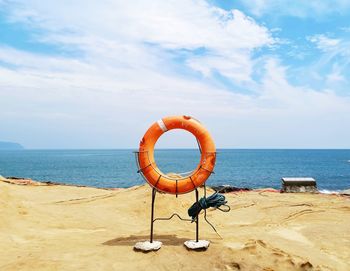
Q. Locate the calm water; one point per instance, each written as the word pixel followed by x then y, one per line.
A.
pixel 243 168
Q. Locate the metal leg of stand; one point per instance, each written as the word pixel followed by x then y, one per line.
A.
pixel 152 213
pixel 197 221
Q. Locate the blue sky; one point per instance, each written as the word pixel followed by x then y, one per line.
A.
pixel 258 74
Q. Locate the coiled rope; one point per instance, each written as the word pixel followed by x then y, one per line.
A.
pixel 215 200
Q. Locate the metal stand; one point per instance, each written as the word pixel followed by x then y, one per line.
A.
pixel 155 245
pixel 197 218
pixel 154 191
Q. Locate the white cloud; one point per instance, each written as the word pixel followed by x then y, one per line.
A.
pixel 237 67
pixel 127 73
pixel 336 75
pixel 228 37
pixel 171 24
pixel 333 63
pixel 129 46
pixel 324 43
pixel 302 100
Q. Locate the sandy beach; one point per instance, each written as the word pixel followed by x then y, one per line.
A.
pixel 58 227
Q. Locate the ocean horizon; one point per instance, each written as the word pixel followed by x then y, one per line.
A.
pixel 251 168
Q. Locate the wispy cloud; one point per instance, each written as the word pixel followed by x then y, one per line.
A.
pixel 324 43
pixel 135 62
pixel 333 63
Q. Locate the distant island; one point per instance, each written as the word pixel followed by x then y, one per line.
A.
pixel 10 146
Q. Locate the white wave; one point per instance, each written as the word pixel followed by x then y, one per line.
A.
pixel 325 191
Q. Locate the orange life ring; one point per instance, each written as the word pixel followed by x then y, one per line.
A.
pixel 161 181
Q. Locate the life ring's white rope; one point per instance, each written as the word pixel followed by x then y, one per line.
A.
pixel 162 125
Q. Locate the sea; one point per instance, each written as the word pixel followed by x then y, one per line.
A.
pixel 250 168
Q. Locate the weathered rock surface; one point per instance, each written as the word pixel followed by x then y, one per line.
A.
pixel 228 188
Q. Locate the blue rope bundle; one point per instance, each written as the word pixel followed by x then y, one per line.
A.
pixel 215 200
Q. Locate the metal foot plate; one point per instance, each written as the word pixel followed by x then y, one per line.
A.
pixel 148 246
pixel 200 245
